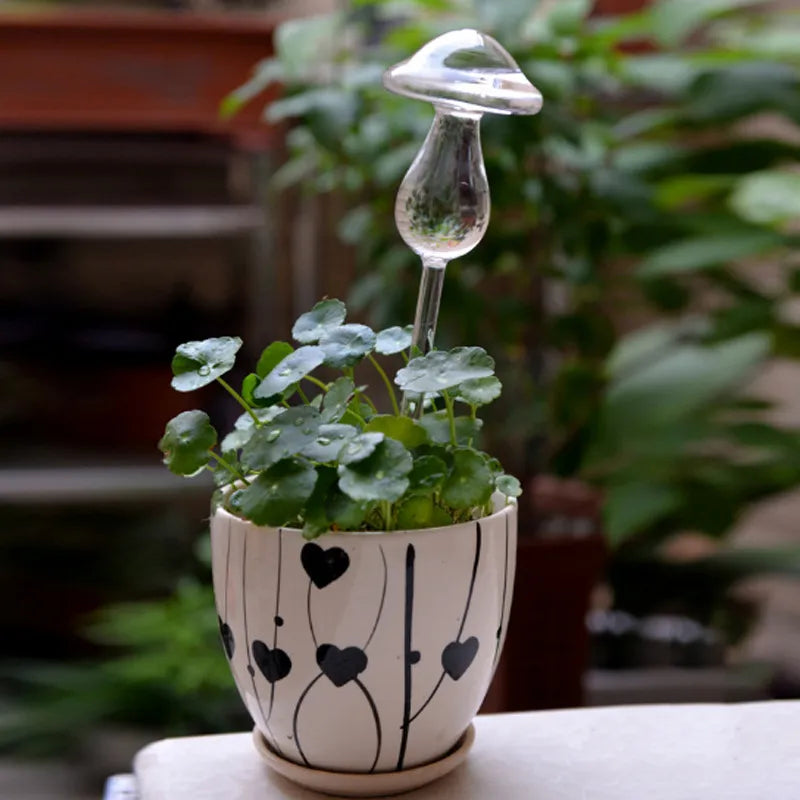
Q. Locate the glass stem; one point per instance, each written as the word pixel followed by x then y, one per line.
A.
pixel 428 301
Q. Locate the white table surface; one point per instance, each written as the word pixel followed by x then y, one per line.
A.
pixel 681 752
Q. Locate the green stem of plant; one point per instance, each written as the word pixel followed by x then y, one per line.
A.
pixel 222 462
pixel 369 402
pixel 317 382
pixel 350 373
pixel 448 401
pixel 386 510
pixel 240 400
pixel 303 395
pixel 473 414
pixel 387 383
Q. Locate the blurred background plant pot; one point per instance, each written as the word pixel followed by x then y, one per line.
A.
pixel 128 70
pixel 560 557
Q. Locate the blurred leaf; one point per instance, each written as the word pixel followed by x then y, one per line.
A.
pixel 706 251
pixel 745 88
pixel 674 20
pixel 631 507
pixel 265 74
pixel 305 45
pixel 678 383
pixel 677 190
pixel 769 197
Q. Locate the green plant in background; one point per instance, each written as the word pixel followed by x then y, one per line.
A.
pixel 637 271
pixel 332 461
pixel 164 674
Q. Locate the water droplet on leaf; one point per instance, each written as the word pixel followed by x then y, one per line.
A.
pixel 273 434
pixel 204 370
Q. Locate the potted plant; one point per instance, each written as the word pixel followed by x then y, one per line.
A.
pixel 616 285
pixel 362 561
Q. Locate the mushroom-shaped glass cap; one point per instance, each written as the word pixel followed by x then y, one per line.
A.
pixel 465 70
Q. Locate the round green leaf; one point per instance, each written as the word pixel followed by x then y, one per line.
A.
pixel 406 430
pixel 278 495
pixel 336 399
pixel 347 345
pixel 347 514
pixel 197 364
pixel 290 370
pixel 479 391
pixel 508 485
pixel 271 357
pixel 437 426
pixel 470 482
pixel 236 440
pixel 315 516
pixel 186 442
pixel 421 512
pixel 359 447
pixel 381 476
pixel 245 427
pixel 444 369
pixel 313 325
pixel 329 442
pixel 394 340
pixel 427 474
pixel 288 434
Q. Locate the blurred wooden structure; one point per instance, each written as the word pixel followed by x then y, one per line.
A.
pixel 131 71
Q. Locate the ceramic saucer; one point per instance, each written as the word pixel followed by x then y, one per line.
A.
pixel 359 784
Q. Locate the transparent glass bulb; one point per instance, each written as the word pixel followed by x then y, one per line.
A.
pixel 442 206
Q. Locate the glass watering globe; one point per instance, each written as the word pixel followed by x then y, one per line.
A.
pixel 442 206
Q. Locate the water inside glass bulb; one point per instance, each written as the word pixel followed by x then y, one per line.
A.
pixel 442 206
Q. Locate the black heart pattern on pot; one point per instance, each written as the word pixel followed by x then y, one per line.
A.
pixel 323 566
pixel 274 663
pixel 226 634
pixel 457 657
pixel 341 666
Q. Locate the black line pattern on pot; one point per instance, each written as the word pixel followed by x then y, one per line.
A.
pixel 408 654
pixel 457 656
pixel 340 666
pixel 274 663
pixel 225 632
pixel 503 602
pixel 250 669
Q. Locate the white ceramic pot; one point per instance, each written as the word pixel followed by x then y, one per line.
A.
pixel 363 652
